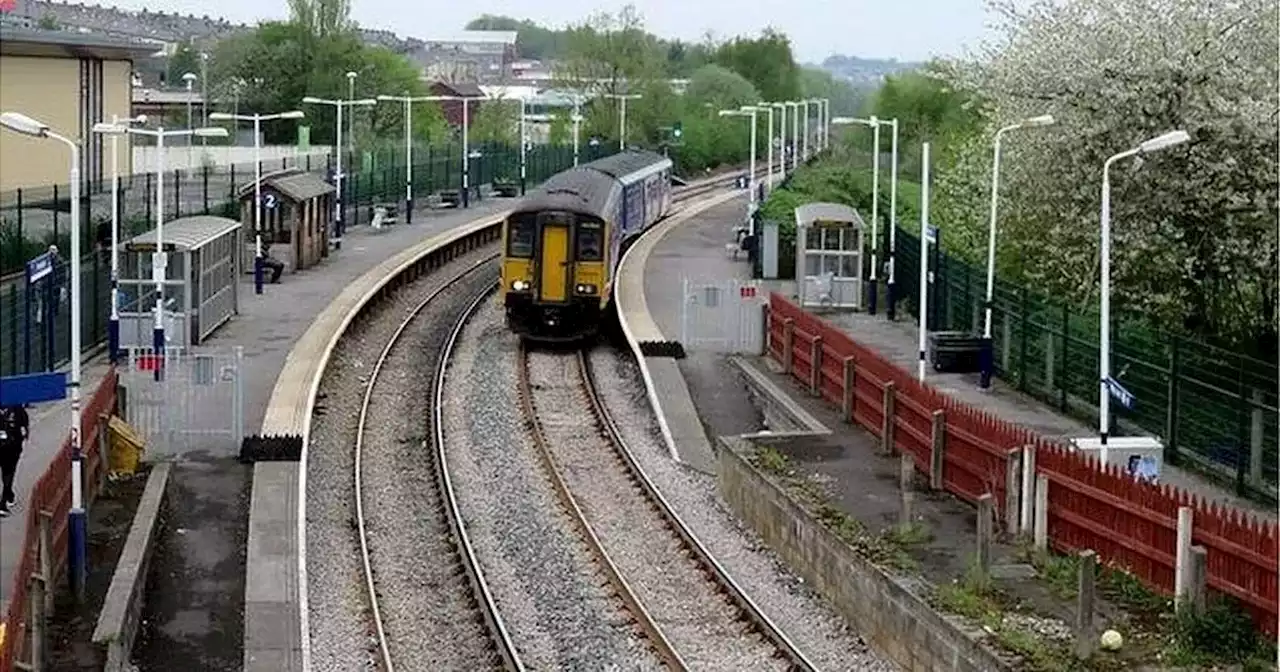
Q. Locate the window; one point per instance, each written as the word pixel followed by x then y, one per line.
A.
pixel 520 234
pixel 590 241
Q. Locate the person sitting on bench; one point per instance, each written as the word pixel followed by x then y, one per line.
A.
pixel 268 262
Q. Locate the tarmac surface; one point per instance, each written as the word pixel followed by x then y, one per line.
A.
pixel 195 605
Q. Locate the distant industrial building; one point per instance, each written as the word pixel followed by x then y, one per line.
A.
pixel 69 81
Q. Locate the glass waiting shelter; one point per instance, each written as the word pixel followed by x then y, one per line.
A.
pixel 201 264
pixel 829 239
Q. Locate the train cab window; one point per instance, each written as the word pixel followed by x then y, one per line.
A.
pixel 590 242
pixel 521 231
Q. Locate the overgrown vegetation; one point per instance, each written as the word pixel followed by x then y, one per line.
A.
pixel 889 548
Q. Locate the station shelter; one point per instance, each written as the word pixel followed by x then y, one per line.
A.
pixel 297 217
pixel 829 243
pixel 201 263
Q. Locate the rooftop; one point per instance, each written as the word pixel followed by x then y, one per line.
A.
pixel 475 36
pixel 23 41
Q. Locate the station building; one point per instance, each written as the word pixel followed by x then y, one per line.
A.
pixel 70 81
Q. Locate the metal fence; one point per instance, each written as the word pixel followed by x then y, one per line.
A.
pixel 1208 404
pixel 33 219
pixel 185 399
pixel 725 316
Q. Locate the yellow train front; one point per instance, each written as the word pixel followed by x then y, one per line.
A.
pixel 562 243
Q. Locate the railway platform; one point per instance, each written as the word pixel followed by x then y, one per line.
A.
pixel 199 596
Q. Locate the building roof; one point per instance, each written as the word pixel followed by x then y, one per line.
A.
pixel 185 233
pixel 475 36
pixel 465 89
pixel 809 213
pixel 23 41
pixel 293 183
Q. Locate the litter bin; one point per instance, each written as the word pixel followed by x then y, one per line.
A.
pixel 126 447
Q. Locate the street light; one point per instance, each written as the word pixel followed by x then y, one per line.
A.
pixel 769 163
pixel 76 534
pixel 113 323
pixel 748 111
pixel 795 134
pixel 622 99
pixel 807 114
pixel 782 138
pixel 466 147
pixel 988 357
pixel 351 121
pixel 337 145
pixel 408 147
pixel 190 79
pixel 577 121
pixel 257 120
pixel 873 289
pixel 159 262
pixel 1155 144
pixel 891 311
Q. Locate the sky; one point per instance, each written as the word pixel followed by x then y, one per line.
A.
pixel 909 30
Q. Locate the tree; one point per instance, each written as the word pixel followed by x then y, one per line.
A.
pixel 184 60
pixel 720 88
pixel 322 18
pixel 496 121
pixel 766 62
pixel 1194 243
pixel 846 100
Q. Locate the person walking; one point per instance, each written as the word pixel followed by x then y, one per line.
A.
pixel 15 426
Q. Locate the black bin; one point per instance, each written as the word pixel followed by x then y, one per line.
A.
pixel 955 351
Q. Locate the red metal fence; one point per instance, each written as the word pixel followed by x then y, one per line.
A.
pixel 1129 524
pixel 52 493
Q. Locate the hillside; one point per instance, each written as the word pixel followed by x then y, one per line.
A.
pixel 864 72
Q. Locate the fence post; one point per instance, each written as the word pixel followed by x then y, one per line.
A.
pixel 1066 342
pixel 986 514
pixel 1084 604
pixel 1041 532
pixel 104 421
pixel 1022 341
pixel 906 476
pixel 1012 489
pixel 1256 437
pixel 1182 557
pixel 815 366
pixel 937 449
pixel 37 599
pixel 1049 368
pixel 1171 411
pixel 850 388
pixel 886 428
pixel 1028 487
pixel 788 343
pixel 44 549
pixel 1196 579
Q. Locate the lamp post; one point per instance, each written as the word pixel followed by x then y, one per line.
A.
pixel 873 289
pixel 408 102
pixel 466 147
pixel 351 119
pixel 892 298
pixel 782 138
pixel 257 120
pixel 1155 144
pixel 987 356
pixel 204 93
pixel 190 78
pixel 924 261
pixel 76 532
pixel 524 141
pixel 795 134
pixel 622 99
pixel 748 111
pixel 805 138
pixel 577 121
pixel 113 320
pixel 769 162
pixel 159 263
pixel 337 145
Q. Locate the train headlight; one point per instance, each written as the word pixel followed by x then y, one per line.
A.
pixel 519 285
pixel 586 289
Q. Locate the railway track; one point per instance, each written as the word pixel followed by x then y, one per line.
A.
pixel 693 613
pixel 425 601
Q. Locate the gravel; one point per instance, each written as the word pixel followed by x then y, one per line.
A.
pixel 429 613
pixel 342 637
pixel 555 602
pixel 686 605
pixel 818 631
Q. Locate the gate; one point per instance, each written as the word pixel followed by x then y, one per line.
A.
pixel 722 316
pixel 197 403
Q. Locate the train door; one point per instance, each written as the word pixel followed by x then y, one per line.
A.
pixel 553 256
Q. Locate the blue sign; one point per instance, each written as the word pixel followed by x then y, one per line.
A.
pixel 269 201
pixel 1120 394
pixel 931 234
pixel 40 267
pixel 33 388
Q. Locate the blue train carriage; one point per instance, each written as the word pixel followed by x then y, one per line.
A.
pixel 562 243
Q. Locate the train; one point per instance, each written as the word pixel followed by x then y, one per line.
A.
pixel 563 241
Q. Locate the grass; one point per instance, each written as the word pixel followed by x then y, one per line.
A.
pixel 889 548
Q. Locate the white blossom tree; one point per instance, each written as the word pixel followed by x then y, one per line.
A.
pixel 1194 229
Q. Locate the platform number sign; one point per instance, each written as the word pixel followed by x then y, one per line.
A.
pixel 269 201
